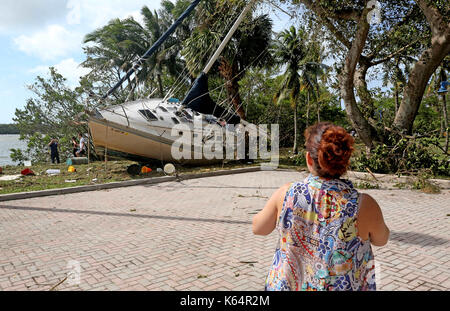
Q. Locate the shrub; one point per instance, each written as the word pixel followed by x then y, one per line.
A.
pixel 407 155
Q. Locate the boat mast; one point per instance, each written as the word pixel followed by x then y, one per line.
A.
pixel 228 37
pixel 199 89
pixel 154 48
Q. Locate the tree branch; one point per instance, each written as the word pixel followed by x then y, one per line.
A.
pixel 392 55
pixel 323 15
pixel 434 17
pixel 359 122
pixel 392 30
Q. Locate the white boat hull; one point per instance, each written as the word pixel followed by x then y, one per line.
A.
pixel 137 140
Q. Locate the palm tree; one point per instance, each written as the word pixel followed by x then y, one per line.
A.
pixel 167 59
pixel 247 49
pixel 117 45
pixel 291 51
pixel 310 74
pixel 113 48
pixel 302 72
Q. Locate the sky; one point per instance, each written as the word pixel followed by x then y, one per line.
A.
pixel 35 35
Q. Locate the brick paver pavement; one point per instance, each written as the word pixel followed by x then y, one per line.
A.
pixel 196 235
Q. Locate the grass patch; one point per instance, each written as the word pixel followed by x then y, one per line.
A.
pixel 90 174
pixel 113 171
pixel 366 185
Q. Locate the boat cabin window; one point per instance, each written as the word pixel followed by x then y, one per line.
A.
pixel 187 115
pixel 184 116
pixel 163 109
pixel 211 120
pixel 147 114
pixel 175 120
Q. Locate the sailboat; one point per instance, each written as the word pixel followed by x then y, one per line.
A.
pixel 141 130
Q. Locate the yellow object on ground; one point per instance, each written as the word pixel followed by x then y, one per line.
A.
pixel 71 169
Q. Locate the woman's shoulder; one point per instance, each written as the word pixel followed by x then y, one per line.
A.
pixel 283 190
pixel 367 202
pixel 368 207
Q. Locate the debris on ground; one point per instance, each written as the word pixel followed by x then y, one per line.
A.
pixel 9 177
pixel 53 172
pixel 27 172
pixel 146 170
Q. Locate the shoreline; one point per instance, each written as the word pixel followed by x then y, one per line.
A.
pixel 5 159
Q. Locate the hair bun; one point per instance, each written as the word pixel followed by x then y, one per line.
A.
pixel 335 150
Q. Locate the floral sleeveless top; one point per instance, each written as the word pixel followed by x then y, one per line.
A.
pixel 319 249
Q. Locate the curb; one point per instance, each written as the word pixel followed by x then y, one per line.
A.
pixel 129 183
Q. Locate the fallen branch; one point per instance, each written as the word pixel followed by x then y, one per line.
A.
pixel 53 288
pixel 370 172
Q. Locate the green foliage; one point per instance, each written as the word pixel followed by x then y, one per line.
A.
pixel 18 156
pixel 300 80
pixel 428 119
pixel 405 156
pixel 366 185
pixel 116 46
pixel 299 159
pixel 423 182
pixel 247 49
pixel 50 113
pixel 302 84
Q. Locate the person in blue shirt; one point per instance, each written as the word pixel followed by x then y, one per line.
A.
pixel 54 152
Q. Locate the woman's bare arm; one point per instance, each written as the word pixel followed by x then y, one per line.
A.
pixel 265 221
pixel 371 217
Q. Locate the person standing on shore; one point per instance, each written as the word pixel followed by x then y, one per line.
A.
pixel 326 227
pixel 54 150
pixel 83 146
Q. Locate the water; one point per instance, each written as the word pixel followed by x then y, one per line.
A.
pixel 7 142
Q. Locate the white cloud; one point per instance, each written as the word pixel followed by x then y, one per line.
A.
pixel 68 68
pixel 95 14
pixel 27 15
pixel 74 16
pixel 137 16
pixel 20 15
pixel 53 42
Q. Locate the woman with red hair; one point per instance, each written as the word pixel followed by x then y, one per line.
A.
pixel 326 227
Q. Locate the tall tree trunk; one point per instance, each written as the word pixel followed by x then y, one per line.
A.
pixel 307 111
pixel 396 97
pixel 360 124
pixel 235 98
pixel 367 103
pixel 131 90
pixel 160 86
pixel 425 67
pixel 318 111
pixel 231 74
pixel 295 149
